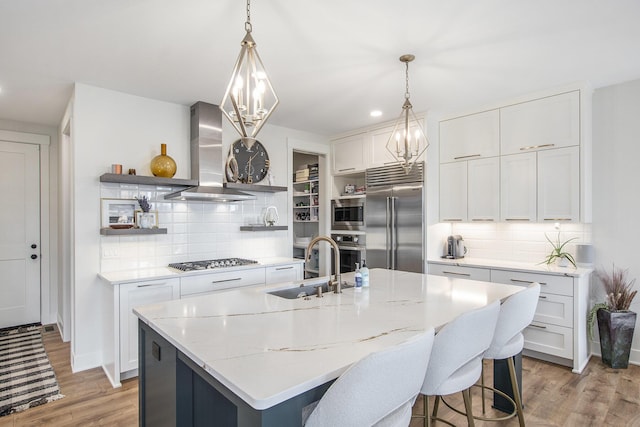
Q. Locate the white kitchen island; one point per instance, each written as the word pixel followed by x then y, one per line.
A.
pixel 245 357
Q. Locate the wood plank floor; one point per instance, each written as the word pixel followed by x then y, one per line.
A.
pixel 552 394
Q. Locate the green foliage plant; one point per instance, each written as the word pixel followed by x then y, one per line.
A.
pixel 559 251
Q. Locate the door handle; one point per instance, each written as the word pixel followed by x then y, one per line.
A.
pixel 34 256
pixel 33 246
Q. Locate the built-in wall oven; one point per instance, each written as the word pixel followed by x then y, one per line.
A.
pixel 348 213
pixel 352 251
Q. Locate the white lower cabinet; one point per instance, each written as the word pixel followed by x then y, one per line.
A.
pixel 558 332
pixel 133 295
pixel 120 325
pixel 283 273
pixel 208 283
pixel 460 272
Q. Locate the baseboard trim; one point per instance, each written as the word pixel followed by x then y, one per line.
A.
pixel 113 382
pixel 84 362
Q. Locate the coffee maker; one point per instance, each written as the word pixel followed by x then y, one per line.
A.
pixel 455 247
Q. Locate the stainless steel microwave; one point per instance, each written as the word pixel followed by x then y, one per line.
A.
pixel 348 214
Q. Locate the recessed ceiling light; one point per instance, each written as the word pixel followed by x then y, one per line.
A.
pixel 376 113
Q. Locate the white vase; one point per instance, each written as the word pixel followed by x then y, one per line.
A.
pixel 146 220
pixel 562 262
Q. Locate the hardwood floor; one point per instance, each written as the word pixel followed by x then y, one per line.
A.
pixel 553 396
pixel 89 398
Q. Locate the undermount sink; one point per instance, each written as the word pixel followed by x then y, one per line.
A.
pixel 305 290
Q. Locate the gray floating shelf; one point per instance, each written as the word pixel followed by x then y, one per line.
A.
pixel 130 231
pixel 147 180
pixel 254 187
pixel 263 227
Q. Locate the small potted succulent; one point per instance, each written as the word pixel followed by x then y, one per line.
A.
pixel 616 323
pixel 559 254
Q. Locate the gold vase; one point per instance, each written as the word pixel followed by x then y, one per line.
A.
pixel 163 165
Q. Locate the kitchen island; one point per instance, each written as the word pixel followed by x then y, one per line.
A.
pixel 246 357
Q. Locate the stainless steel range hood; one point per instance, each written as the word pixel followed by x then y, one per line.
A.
pixel 206 159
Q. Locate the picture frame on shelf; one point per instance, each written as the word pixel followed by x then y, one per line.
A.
pixel 149 220
pixel 118 213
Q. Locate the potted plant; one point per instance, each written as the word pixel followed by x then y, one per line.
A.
pixel 146 220
pixel 616 322
pixel 558 254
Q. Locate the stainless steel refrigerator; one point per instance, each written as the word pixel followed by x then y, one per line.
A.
pixel 394 218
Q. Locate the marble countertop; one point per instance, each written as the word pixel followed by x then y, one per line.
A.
pixel 267 349
pixel 513 265
pixel 128 276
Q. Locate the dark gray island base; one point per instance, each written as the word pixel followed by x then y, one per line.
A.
pixel 174 391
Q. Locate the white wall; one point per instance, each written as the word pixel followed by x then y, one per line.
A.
pixel 112 127
pixel 616 150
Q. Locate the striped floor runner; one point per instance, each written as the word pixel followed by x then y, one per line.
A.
pixel 26 376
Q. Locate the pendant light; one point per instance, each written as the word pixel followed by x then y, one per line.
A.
pixel 249 99
pixel 407 141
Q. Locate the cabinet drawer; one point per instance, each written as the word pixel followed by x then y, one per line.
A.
pixel 555 309
pixel 283 273
pixel 549 339
pixel 208 283
pixel 473 273
pixel 549 284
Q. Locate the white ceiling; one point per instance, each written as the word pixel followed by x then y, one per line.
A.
pixel 331 61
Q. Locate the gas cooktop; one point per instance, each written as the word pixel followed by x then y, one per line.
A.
pixel 211 264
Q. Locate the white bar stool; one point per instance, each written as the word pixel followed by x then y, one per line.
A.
pixel 378 390
pixel 456 358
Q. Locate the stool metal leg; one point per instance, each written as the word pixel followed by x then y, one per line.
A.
pixel 466 396
pixel 482 388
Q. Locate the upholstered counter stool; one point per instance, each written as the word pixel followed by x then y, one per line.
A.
pixel 378 390
pixel 516 313
pixel 456 358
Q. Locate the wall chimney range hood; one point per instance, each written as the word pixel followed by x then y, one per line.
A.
pixel 206 159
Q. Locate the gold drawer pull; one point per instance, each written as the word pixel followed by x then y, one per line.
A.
pixel 457 274
pixel 533 147
pixel 466 157
pixel 538 326
pixel 527 281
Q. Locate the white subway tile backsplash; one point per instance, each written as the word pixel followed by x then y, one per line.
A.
pixel 195 230
pixel 518 241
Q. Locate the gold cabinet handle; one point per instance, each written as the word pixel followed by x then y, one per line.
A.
pixel 534 147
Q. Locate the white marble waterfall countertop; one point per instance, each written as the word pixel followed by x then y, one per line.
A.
pixel 157 273
pixel 267 349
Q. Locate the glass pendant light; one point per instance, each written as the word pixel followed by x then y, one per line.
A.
pixel 407 141
pixel 249 99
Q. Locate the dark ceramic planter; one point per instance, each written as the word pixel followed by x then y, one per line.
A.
pixel 616 334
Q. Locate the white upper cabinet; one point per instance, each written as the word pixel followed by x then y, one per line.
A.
pixel 551 122
pixel 483 189
pixel 469 137
pixel 378 153
pixel 559 185
pixel 349 154
pixel 453 192
pixel 518 193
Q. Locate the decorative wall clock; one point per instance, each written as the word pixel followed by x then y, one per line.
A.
pixel 253 163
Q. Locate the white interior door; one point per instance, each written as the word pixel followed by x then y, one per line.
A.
pixel 19 234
